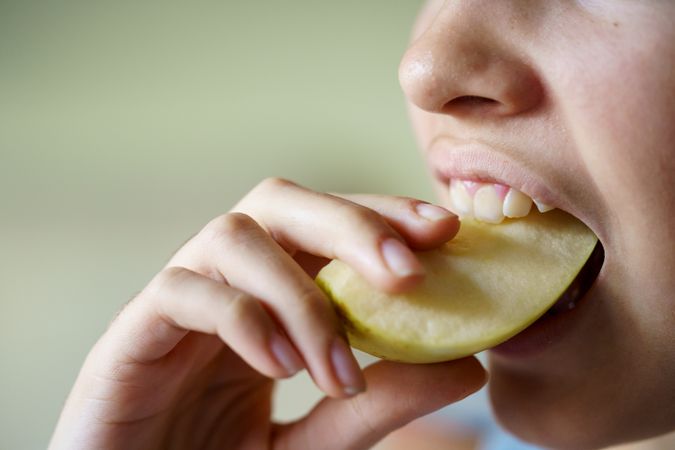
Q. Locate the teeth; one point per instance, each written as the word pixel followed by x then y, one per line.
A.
pixel 487 206
pixel 462 203
pixel 542 207
pixel 490 202
pixel 516 204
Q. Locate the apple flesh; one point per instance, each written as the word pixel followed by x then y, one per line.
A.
pixel 481 288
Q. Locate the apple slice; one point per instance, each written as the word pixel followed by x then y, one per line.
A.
pixel 481 288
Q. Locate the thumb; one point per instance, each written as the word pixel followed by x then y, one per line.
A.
pixel 397 394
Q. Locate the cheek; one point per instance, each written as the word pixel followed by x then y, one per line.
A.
pixel 619 105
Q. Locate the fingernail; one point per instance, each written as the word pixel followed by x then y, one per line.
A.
pixel 285 354
pixel 432 212
pixel 400 258
pixel 346 368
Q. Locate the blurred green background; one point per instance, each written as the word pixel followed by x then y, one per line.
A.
pixel 125 126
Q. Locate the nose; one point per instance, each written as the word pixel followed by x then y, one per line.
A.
pixel 458 66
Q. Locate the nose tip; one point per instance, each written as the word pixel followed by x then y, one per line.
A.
pixel 461 77
pixel 422 81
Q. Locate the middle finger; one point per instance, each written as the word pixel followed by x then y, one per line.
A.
pixel 250 260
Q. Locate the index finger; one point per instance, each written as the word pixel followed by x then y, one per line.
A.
pixel 336 228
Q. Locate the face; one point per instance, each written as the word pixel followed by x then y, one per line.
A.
pixel 573 104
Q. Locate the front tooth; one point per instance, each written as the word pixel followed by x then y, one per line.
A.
pixel 516 204
pixel 487 206
pixel 542 207
pixel 461 201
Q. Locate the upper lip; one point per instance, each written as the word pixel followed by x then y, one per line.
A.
pixel 473 159
pixel 450 157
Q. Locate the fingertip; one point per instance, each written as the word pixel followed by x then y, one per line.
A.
pixel 453 224
pixel 400 260
pixel 352 392
pixel 458 379
pixel 396 285
pixel 434 213
pixel 398 269
pixel 391 266
pixel 473 374
pixel 285 355
pixel 429 233
pixel 452 380
pixel 346 369
pixel 334 368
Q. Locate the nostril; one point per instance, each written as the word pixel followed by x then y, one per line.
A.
pixel 469 102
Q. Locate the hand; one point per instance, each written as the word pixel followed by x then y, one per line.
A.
pixel 191 361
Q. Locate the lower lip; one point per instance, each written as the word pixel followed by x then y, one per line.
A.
pixel 542 334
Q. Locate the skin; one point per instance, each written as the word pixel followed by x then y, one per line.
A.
pixel 191 361
pixel 583 95
pixel 572 94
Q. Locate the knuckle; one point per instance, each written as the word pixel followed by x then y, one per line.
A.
pixel 408 202
pixel 310 304
pixel 229 224
pixel 242 307
pixel 152 297
pixel 269 187
pixel 240 304
pixel 167 279
pixel 273 184
pixel 363 216
pixel 265 189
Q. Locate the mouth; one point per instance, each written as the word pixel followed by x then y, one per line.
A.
pixel 490 202
pixel 500 177
pixel 486 185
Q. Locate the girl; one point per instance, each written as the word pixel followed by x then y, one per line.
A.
pixel 571 103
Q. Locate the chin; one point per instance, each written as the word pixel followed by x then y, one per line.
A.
pixel 529 410
pixel 546 383
pixel 560 410
pixel 551 395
